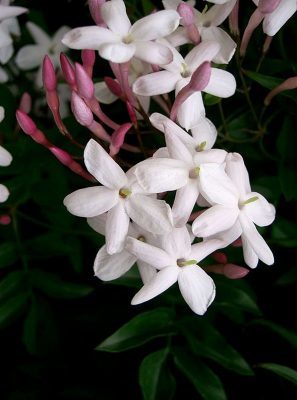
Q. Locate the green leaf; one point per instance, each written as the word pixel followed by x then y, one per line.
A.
pixel 12 308
pixel 13 282
pixel 139 330
pixel 205 381
pixel 288 177
pixel 281 370
pixel 55 287
pixel 210 100
pixel 8 254
pixel 150 372
pixel 283 232
pixel 289 277
pixel 207 342
pixel 289 336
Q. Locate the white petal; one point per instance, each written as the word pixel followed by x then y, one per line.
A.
pixel 216 186
pixel 236 170
pixel 153 52
pixel 205 51
pixel 30 56
pixel 151 214
pixel 177 243
pixel 147 272
pixel 227 44
pixel 103 167
pixel 259 211
pixel 162 152
pixel 5 157
pixel 89 37
pixel 178 37
pixel 90 202
pixel 5 39
pixel 175 65
pixel 217 14
pixel 117 52
pixel 108 267
pixel 116 228
pixel 103 94
pixel 228 236
pixel 197 288
pixel 39 35
pixel 156 25
pixel 191 110
pixel 161 282
pixel 176 148
pixel 214 220
pixel 9 11
pixel 162 122
pixel 6 53
pixel 157 175
pixel 184 202
pixel 2 113
pixel 4 193
pixel 3 73
pixel 216 156
pixel 221 83
pixel 204 132
pixel 201 250
pixel 255 240
pixel 98 223
pixel 156 83
pixel 115 16
pixel 152 255
pixel 57 46
pixel 273 22
pixel 250 257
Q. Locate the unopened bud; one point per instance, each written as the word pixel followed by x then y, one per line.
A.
pixel 220 257
pixel 118 137
pixel 25 122
pixel 84 83
pixel 233 271
pixel 80 110
pixel 113 86
pixel 5 219
pixel 48 75
pixel 64 157
pixel 268 6
pixel 187 14
pixel 200 77
pixel 88 58
pixel 68 70
pixel 95 11
pixel 25 103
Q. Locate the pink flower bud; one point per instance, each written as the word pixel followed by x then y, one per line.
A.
pixel 48 75
pixel 5 219
pixel 187 14
pixel 84 83
pixel 68 70
pixel 118 137
pixel 131 112
pixel 233 271
pixel 95 10
pixel 25 103
pixel 80 110
pixel 201 77
pixel 237 243
pixel 25 122
pixel 220 257
pixel 268 6
pixel 64 157
pixel 88 57
pixel 288 84
pixel 113 86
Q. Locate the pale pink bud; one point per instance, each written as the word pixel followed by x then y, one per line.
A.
pixel 25 103
pixel 84 83
pixel 288 84
pixel 95 11
pixel 80 110
pixel 193 34
pixel 118 137
pixel 268 6
pixel 254 21
pixel 26 123
pixel 88 59
pixel 187 14
pixel 233 271
pixel 113 86
pixel 68 70
pixel 48 75
pixel 220 257
pixel 64 157
pixel 5 219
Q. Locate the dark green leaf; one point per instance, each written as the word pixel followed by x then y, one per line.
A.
pixel 139 330
pixel 210 100
pixel 150 372
pixel 281 370
pixel 12 283
pixel 55 287
pixel 289 336
pixel 289 277
pixel 12 308
pixel 8 254
pixel 283 232
pixel 205 381
pixel 288 178
pixel 207 342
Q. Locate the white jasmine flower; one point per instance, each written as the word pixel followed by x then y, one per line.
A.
pixel 31 56
pixel 5 160
pixel 121 196
pixel 121 41
pixel 177 262
pixel 177 75
pixel 235 207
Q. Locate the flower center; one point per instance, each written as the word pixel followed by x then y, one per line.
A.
pixel 124 193
pixel 141 238
pixel 194 173
pixel 201 146
pixel 181 262
pixel 184 70
pixel 128 39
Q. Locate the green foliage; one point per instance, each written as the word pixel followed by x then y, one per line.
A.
pixel 281 370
